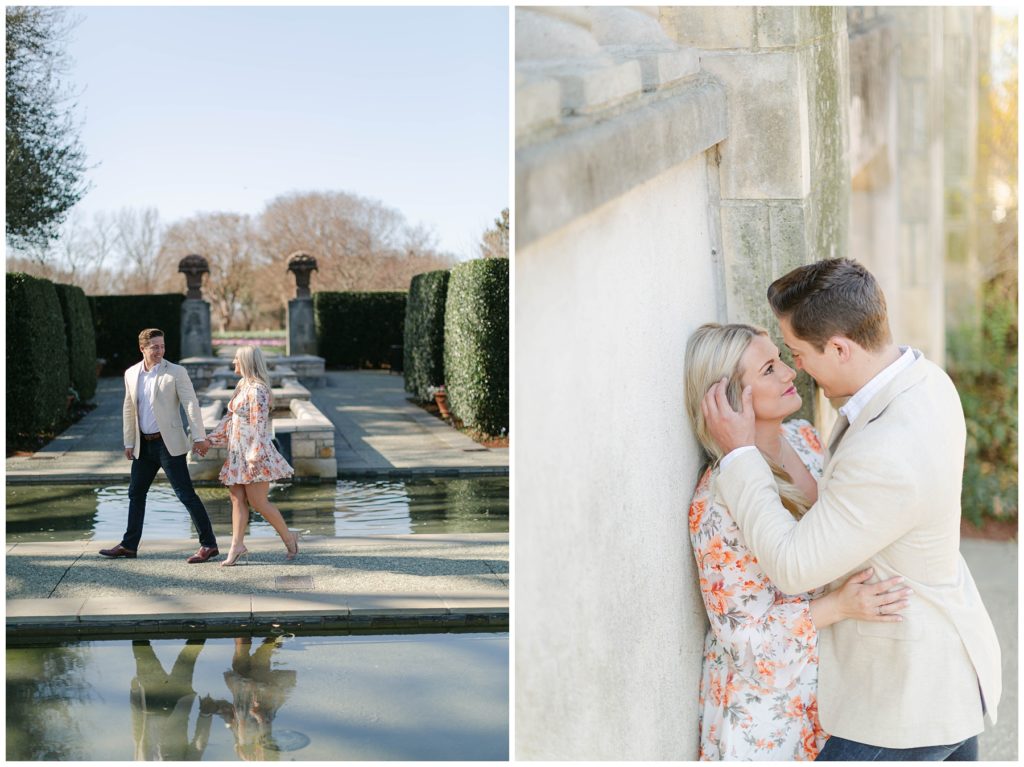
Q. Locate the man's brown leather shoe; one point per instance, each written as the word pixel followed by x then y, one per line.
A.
pixel 204 554
pixel 118 551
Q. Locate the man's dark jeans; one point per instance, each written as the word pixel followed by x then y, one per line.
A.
pixel 842 750
pixel 153 456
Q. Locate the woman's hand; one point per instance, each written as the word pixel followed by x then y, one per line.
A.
pixel 873 601
pixel 862 601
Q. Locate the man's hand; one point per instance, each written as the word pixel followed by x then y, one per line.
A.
pixel 728 428
pixel 129 453
pixel 200 448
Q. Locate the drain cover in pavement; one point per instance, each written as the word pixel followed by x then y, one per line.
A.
pixel 293 582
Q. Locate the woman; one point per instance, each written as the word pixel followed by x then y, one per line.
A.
pixel 759 682
pixel 253 462
pixel 258 692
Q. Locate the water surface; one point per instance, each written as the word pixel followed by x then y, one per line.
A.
pixel 349 507
pixel 408 697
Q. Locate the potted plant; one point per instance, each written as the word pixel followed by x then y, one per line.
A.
pixel 441 398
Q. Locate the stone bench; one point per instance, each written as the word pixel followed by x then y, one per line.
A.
pixel 287 392
pixel 308 368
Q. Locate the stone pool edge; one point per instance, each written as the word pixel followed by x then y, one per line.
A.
pixel 85 616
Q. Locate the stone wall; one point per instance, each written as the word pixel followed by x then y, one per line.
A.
pixel 617 262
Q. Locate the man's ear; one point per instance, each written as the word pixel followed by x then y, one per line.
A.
pixel 841 346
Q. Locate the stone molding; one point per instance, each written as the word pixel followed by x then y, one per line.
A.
pixel 573 61
pixel 570 175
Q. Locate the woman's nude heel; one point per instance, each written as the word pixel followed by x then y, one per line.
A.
pixel 233 557
pixel 293 548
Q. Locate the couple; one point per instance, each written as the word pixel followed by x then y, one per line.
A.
pixel 154 438
pixel 849 555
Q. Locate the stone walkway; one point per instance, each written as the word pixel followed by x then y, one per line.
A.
pixel 384 581
pixel 377 430
pixel 337 583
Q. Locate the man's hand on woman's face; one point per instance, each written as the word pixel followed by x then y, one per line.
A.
pixel 728 428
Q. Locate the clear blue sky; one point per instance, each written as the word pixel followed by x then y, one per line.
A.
pixel 190 109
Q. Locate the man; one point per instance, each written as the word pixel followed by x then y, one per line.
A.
pixel 889 499
pixel 154 438
pixel 161 705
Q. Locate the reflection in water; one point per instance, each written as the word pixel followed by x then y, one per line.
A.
pixel 349 507
pixel 362 697
pixel 162 704
pixel 258 692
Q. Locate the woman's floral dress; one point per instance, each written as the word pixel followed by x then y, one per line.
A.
pixel 245 429
pixel 758 691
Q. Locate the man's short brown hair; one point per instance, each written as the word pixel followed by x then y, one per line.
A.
pixel 148 335
pixel 835 297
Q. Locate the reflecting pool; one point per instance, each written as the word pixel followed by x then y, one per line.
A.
pixel 357 697
pixel 349 507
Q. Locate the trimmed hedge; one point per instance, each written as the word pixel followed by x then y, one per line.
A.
pixel 120 319
pixel 476 330
pixel 37 357
pixel 423 352
pixel 358 329
pixel 81 339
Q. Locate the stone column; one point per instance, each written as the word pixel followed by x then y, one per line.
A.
pixel 920 249
pixel 966 63
pixel 784 170
pixel 196 338
pixel 301 327
pixel 875 151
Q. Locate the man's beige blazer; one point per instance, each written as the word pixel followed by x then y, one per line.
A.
pixel 889 498
pixel 173 389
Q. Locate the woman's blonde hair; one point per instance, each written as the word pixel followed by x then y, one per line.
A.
pixel 254 367
pixel 715 351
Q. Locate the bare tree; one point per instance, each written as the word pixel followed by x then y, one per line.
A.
pixel 359 243
pixel 137 235
pixel 228 241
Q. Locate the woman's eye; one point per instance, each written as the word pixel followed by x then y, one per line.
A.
pixel 770 370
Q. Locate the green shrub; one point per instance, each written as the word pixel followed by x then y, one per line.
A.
pixel 37 358
pixel 476 344
pixel 120 319
pixel 985 373
pixel 423 352
pixel 358 329
pixel 81 339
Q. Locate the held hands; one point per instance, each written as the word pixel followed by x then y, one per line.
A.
pixel 200 448
pixel 728 428
pixel 872 601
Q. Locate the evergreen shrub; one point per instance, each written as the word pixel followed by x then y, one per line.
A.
pixel 984 370
pixel 476 332
pixel 120 319
pixel 37 358
pixel 81 339
pixel 357 330
pixel 423 351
